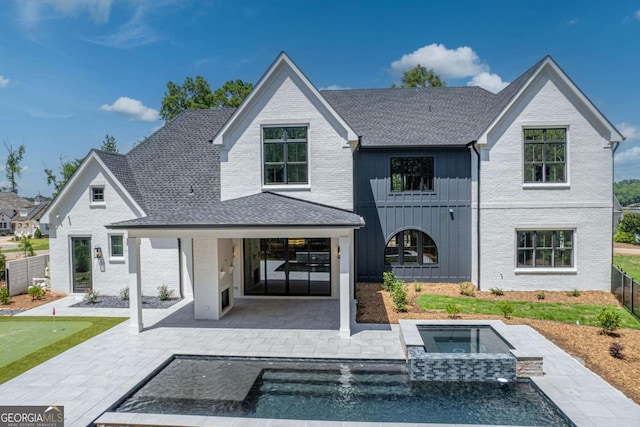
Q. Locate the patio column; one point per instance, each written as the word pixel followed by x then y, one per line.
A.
pixel 135 286
pixel 344 251
pixel 186 262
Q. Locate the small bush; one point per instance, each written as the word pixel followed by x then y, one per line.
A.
pixel 35 292
pixel 124 294
pixel 164 293
pixel 540 295
pixel 91 296
pixel 573 293
pixel 624 237
pixel 37 234
pixel 497 291
pixel 453 309
pixel 388 279
pixel 467 289
pixel 417 286
pixel 506 308
pixel 5 296
pixel 615 350
pixel 399 296
pixel 608 320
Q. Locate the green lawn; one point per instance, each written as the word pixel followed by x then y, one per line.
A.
pixel 630 264
pixel 27 341
pixel 561 312
pixel 38 245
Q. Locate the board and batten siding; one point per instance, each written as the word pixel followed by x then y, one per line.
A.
pixel 444 214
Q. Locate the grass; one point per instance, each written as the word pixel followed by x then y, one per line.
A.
pixel 34 341
pixel 630 264
pixel 560 312
pixel 38 245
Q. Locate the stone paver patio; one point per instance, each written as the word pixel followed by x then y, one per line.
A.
pixel 90 377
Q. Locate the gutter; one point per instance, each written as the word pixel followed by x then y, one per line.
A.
pixel 473 145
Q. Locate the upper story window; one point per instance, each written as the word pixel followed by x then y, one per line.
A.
pixel 545 248
pixel 410 247
pixel 285 155
pixel 412 174
pixel 97 194
pixel 545 155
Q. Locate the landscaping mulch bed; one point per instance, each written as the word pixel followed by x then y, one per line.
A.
pixel 20 303
pixel 108 301
pixel 585 343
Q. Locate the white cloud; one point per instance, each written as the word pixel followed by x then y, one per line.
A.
pixel 31 12
pixel 3 82
pixel 132 108
pixel 629 131
pixel 572 22
pixel 488 81
pixel 36 112
pixel 631 155
pixel 455 63
pixel 334 87
pixel 637 15
pixel 134 33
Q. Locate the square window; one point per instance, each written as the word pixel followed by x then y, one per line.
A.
pixel 97 194
pixel 411 174
pixel 116 246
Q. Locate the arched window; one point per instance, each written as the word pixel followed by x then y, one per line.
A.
pixel 410 247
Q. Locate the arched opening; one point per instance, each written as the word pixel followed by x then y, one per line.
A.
pixel 411 247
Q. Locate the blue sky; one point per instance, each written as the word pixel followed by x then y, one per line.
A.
pixel 72 71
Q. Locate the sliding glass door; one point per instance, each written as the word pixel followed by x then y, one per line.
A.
pixel 294 266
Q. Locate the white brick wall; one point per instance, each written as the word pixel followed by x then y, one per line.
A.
pixel 585 203
pixel 287 101
pixel 76 218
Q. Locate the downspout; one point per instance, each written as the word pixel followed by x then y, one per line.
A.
pixel 180 269
pixel 473 145
pixel 354 175
pixel 614 147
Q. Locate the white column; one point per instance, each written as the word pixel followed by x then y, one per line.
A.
pixel 135 286
pixel 186 261
pixel 344 245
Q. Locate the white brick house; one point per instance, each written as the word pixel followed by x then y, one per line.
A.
pixel 268 200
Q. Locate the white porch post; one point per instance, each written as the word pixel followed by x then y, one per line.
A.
pixel 186 260
pixel 135 286
pixel 344 251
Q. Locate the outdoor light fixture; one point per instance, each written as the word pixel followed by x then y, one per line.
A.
pixel 191 191
pixel 97 252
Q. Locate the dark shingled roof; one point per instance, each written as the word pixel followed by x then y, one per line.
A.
pixel 118 165
pixel 412 116
pixel 258 210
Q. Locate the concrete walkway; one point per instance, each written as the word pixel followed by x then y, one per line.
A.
pixel 92 376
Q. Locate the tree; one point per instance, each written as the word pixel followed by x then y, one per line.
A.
pixel 13 169
pixel 197 94
pixel 420 76
pixel 67 169
pixel 109 144
pixel 25 246
pixel 627 191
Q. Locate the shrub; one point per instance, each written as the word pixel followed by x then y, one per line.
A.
pixel 388 279
pixel 92 296
pixel 37 234
pixel 3 265
pixel 164 293
pixel 573 293
pixel 399 296
pixel 124 294
pixel 609 320
pixel 35 292
pixel 506 308
pixel 497 291
pixel 453 309
pixel 26 246
pixel 624 237
pixel 5 296
pixel 467 289
pixel 417 286
pixel 540 295
pixel 615 349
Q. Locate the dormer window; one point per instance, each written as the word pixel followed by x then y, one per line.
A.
pixel 285 155
pixel 23 212
pixel 97 195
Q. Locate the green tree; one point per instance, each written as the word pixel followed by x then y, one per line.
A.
pixel 627 191
pixel 26 247
pixel 67 169
pixel 13 169
pixel 197 94
pixel 109 144
pixel 420 76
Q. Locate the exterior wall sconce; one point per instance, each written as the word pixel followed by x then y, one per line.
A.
pixel 97 252
pixel 451 213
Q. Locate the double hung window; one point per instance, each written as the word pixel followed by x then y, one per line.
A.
pixel 545 155
pixel 285 155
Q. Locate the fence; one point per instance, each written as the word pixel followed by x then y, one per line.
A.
pixel 20 272
pixel 626 290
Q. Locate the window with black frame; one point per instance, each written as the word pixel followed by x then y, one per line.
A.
pixel 411 247
pixel 545 155
pixel 411 174
pixel 545 248
pixel 285 155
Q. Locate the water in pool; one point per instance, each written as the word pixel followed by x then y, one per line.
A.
pixel 332 390
pixel 462 339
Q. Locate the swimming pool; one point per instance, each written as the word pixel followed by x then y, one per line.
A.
pixel 462 339
pixel 338 390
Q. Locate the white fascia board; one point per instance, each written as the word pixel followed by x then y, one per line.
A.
pixel 246 233
pixel 45 218
pixel 281 60
pixel 614 134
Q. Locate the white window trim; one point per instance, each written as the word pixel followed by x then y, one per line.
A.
pixel 97 204
pixel 546 270
pixel 547 185
pixel 285 187
pixel 117 258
